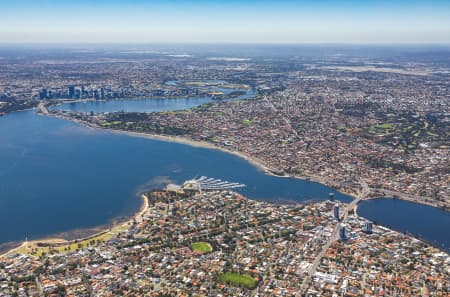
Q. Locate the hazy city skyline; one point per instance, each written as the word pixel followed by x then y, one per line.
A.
pixel 139 21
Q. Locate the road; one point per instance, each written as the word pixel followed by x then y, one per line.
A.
pixel 315 264
pixel 413 198
pixel 365 190
pixel 39 286
pixel 43 109
pixel 283 117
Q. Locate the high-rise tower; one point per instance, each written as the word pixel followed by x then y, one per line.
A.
pixel 336 211
pixel 342 235
pixel 367 227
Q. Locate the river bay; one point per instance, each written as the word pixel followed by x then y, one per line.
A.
pixel 57 176
pixel 423 221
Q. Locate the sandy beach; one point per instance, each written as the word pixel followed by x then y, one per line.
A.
pixel 61 243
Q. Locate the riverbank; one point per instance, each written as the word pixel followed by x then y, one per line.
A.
pixel 249 94
pixel 385 212
pixel 176 139
pixel 10 107
pixel 371 193
pixel 265 168
pixel 259 164
pixel 43 246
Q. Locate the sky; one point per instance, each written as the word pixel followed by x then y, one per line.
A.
pixel 225 21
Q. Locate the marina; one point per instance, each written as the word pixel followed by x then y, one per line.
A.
pixel 204 183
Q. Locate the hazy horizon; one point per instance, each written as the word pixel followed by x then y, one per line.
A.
pixel 226 22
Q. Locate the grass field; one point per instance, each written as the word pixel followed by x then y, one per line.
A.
pixel 381 128
pixel 247 122
pixel 198 83
pixel 33 249
pixel 238 280
pixel 201 247
pixel 107 124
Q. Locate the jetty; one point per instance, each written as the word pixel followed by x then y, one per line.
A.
pixel 213 184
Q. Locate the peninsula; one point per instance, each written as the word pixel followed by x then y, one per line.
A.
pixel 219 242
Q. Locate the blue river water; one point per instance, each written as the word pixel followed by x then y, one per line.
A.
pixel 425 222
pixel 57 175
pixel 138 105
pixel 143 105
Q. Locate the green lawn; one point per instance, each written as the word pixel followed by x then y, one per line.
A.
pixel 342 129
pixel 247 122
pixel 385 126
pixel 237 279
pixel 381 128
pixel 201 247
pixel 107 124
pixel 196 83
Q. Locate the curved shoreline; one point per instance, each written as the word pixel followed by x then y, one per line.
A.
pixel 258 163
pixel 176 139
pixel 405 232
pixel 60 242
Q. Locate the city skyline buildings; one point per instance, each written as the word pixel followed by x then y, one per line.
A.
pixel 248 21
